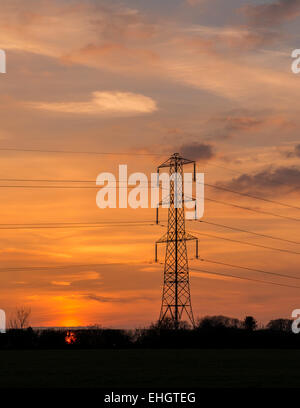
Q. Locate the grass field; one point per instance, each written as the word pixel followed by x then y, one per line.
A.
pixel 150 368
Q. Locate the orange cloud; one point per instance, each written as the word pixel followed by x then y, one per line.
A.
pixel 115 57
pixel 111 103
pixel 121 40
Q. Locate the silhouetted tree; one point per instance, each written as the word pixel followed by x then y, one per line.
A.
pixel 168 324
pixel 218 322
pixel 283 325
pixel 250 323
pixel 20 319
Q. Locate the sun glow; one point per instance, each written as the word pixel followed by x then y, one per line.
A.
pixel 70 323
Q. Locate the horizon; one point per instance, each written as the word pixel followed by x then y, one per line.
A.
pixel 131 83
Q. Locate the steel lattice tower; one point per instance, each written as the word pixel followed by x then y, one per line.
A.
pixel 176 297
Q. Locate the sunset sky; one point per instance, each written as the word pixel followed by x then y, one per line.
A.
pixel 210 79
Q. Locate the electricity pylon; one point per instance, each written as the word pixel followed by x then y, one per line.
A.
pixel 176 297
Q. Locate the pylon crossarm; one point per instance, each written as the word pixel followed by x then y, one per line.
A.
pixel 165 239
pixel 175 157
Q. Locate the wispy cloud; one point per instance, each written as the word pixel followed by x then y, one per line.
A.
pixel 272 14
pixel 111 103
pixel 121 40
pixel 61 283
pixel 242 38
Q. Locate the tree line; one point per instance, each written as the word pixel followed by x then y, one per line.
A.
pixel 209 332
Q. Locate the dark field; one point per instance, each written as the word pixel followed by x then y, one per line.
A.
pixel 153 368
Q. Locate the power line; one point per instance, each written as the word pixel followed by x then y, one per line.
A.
pixel 148 187
pixel 248 208
pixel 125 181
pixel 250 269
pixel 70 227
pixel 74 225
pixel 118 182
pixel 136 154
pixel 109 222
pixel 140 185
pixel 247 231
pixel 70 181
pixel 37 268
pixel 84 152
pixel 251 196
pixel 247 243
pixel 241 278
pixel 51 180
pixel 72 187
pixel 253 210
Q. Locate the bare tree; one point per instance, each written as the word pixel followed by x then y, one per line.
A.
pixel 20 318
